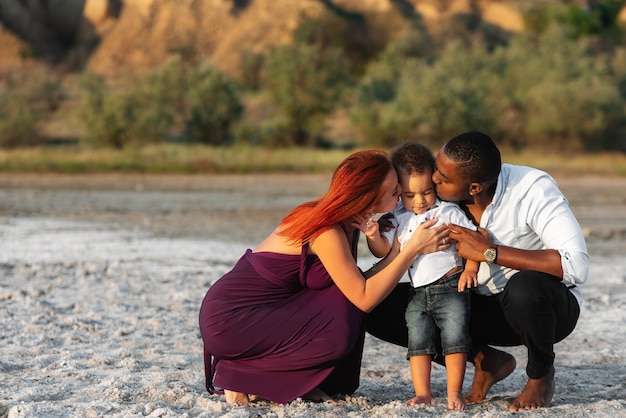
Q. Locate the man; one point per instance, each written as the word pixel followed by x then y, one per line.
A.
pixel 533 256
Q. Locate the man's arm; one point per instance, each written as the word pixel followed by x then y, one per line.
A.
pixel 473 244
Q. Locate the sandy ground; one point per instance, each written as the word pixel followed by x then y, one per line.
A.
pixel 101 278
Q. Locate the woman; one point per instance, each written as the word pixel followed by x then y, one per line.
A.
pixel 287 320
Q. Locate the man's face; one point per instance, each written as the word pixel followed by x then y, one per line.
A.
pixel 450 186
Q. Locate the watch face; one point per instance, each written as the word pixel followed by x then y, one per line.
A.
pixel 490 255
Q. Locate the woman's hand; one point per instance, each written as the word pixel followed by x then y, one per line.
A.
pixel 428 238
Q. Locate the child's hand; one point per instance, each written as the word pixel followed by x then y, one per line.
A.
pixel 366 224
pixel 468 279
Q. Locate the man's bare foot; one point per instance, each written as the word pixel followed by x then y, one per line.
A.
pixel 456 402
pixel 491 366
pixel 420 400
pixel 236 398
pixel 318 395
pixel 537 393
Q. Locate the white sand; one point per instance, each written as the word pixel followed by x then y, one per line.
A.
pixel 99 320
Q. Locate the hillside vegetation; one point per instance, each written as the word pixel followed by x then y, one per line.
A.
pixel 261 74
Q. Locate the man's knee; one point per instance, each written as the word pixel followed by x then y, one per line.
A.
pixel 525 290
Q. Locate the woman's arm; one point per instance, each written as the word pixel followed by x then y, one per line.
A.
pixel 333 250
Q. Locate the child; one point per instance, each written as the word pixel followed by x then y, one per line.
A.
pixel 440 297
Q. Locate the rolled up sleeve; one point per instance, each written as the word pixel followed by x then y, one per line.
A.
pixel 575 266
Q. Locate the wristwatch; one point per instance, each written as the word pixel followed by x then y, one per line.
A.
pixel 491 254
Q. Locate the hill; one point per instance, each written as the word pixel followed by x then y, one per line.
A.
pixel 116 37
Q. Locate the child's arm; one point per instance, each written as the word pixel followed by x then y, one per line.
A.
pixel 469 277
pixel 378 244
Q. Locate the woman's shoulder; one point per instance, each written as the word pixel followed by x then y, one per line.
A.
pixel 278 244
pixel 334 235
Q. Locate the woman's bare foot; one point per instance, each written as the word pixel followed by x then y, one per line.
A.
pixel 420 400
pixel 456 402
pixel 318 395
pixel 537 393
pixel 236 398
pixel 491 366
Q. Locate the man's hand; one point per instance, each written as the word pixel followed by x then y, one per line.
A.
pixel 470 244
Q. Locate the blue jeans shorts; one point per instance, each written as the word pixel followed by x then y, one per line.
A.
pixel 438 307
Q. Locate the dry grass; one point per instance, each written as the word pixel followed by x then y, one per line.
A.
pixel 177 158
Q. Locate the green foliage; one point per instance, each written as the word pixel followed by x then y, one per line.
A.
pixel 214 106
pixel 561 81
pixel 17 121
pixel 439 101
pixel 425 101
pixel 305 85
pixel 197 101
pixel 25 99
pixel 597 18
pixel 553 89
pixel 105 116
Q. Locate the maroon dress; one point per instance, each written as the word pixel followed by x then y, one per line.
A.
pixel 276 326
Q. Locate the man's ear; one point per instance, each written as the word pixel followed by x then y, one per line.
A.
pixel 475 188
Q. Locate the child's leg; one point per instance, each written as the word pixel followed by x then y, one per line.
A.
pixel 455 366
pixel 420 374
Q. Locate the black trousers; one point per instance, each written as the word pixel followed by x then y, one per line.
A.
pixel 534 310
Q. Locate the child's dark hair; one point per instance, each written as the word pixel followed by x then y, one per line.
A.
pixel 413 157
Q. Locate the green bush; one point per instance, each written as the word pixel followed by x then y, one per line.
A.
pixel 305 85
pixel 428 101
pixel 194 101
pixel 26 99
pixel 214 106
pixel 106 117
pixel 18 121
pixel 555 90
pixel 598 17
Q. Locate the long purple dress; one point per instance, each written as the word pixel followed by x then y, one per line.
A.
pixel 276 326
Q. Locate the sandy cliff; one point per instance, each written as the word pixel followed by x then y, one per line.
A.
pixel 114 37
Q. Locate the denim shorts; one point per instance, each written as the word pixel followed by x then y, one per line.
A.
pixel 436 307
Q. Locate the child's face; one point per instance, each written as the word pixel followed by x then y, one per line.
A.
pixel 418 192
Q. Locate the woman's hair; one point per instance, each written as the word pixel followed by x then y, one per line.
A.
pixel 356 186
pixel 413 157
pixel 476 155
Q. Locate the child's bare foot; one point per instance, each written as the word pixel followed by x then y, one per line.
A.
pixel 491 366
pixel 236 398
pixel 456 402
pixel 420 400
pixel 537 393
pixel 318 395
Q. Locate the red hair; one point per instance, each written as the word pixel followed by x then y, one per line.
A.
pixel 356 186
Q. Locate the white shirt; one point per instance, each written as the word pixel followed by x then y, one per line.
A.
pixel 428 268
pixel 529 212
